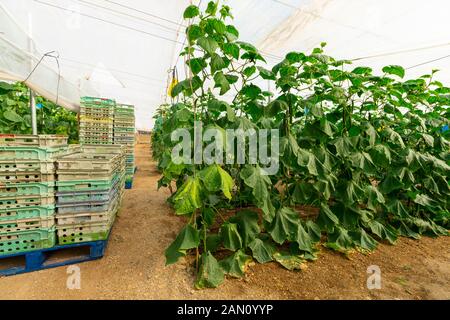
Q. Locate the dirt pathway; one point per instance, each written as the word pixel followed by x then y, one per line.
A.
pixel 133 267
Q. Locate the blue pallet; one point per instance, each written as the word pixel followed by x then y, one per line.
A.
pixel 37 260
pixel 128 184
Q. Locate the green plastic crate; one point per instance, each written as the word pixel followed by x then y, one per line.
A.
pixel 84 196
pixel 86 185
pixel 68 234
pixel 103 126
pixel 30 153
pixel 96 135
pixel 96 119
pixel 123 130
pixel 70 219
pixel 41 212
pixel 124 121
pixel 90 129
pixel 99 142
pixel 96 130
pixel 96 141
pixel 74 235
pixel 16 242
pixel 23 201
pixel 27 165
pixel 102 149
pixel 124 141
pixel 76 175
pixel 127 135
pixel 96 162
pixel 42 189
pixel 21 225
pixel 26 177
pixel 119 124
pixel 33 140
pixel 89 218
pixel 97 101
pixel 96 110
pixel 124 106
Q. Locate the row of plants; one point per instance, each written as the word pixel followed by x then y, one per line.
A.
pixel 368 153
pixel 15 114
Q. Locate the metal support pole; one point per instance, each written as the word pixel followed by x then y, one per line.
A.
pixel 32 100
pixel 33 113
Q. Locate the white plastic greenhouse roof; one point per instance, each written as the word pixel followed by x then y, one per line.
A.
pixel 123 49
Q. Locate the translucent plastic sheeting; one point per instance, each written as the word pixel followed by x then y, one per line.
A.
pixel 412 33
pixel 18 58
pixel 124 49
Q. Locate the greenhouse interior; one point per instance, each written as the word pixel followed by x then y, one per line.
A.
pixel 224 150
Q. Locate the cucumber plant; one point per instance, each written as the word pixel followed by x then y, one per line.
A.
pixel 370 152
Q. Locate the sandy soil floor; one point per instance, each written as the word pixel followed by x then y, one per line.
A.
pixel 133 267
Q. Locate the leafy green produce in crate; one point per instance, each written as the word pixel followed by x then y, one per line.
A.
pixel 15 114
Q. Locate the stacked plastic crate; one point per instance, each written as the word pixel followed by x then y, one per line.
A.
pixel 96 120
pixel 89 192
pixel 27 191
pixel 124 135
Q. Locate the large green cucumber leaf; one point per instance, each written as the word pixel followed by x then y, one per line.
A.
pixel 290 261
pixel 260 185
pixel 231 238
pixel 262 250
pixel 187 197
pixel 210 274
pixel 304 239
pixel 217 179
pixel 188 238
pixel 285 225
pixel 383 231
pixel 363 240
pixel 236 264
pixel 247 222
pixel 327 220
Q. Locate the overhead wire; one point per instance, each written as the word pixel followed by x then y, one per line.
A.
pixel 107 21
pixel 379 55
pixel 375 55
pixel 121 78
pixel 269 55
pixel 51 54
pixel 325 18
pixel 182 43
pixel 113 23
pixel 125 79
pixel 125 14
pixel 145 12
pixel 428 61
pixel 111 69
